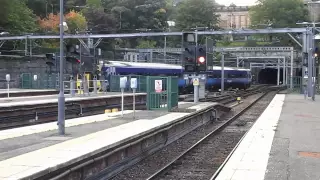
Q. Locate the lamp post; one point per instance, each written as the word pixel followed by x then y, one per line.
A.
pixel 61 98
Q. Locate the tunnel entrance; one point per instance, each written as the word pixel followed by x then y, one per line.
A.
pixel 269 76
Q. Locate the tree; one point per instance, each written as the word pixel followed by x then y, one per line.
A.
pixel 16 17
pixel 279 13
pixel 76 21
pixel 200 13
pixel 147 44
pixel 51 23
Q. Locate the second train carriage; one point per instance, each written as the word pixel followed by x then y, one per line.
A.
pixel 234 78
pixel 144 69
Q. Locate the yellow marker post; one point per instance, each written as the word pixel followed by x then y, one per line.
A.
pixel 238 99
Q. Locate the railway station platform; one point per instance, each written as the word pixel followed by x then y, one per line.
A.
pixel 35 151
pixel 26 92
pixel 48 99
pixel 283 144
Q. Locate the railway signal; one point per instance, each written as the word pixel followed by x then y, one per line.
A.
pixel 189 59
pixel 201 59
pixel 189 52
pixel 51 59
pixel 73 60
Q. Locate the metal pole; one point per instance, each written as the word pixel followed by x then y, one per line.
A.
pixel 26 46
pixel 222 73
pixel 284 72
pixel 30 47
pixel 196 91
pixel 278 76
pixel 80 59
pixel 122 101
pixel 291 71
pixel 134 103
pixel 237 62
pixel 313 64
pixel 61 98
pixel 165 49
pixel 310 57
pixel 196 88
pixel 8 84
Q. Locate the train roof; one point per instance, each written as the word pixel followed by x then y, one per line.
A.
pixel 219 68
pixel 161 66
pixel 242 69
pixel 143 65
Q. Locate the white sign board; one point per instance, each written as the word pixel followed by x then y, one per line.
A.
pixel 35 77
pixel 8 77
pixel 158 86
pixel 123 82
pixel 134 83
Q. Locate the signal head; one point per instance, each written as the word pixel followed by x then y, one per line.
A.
pixel 202 59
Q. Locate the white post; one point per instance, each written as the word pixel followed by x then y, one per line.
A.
pixel 291 71
pixel 134 103
pixel 8 89
pixel 123 84
pixel 284 72
pixel 8 84
pixel 134 85
pixel 278 74
pixel 122 101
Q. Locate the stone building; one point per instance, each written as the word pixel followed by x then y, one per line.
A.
pixel 314 9
pixel 234 17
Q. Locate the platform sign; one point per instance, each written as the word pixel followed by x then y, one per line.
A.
pixel 158 86
pixel 134 83
pixel 196 82
pixel 123 82
pixel 8 77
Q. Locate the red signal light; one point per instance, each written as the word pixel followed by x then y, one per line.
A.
pixel 202 59
pixel 78 61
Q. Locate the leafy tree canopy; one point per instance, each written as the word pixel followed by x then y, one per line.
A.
pixel 281 13
pixel 200 13
pixel 16 17
pixel 76 22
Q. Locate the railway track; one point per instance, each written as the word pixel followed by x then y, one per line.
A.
pixel 204 149
pixel 12 118
pixel 205 157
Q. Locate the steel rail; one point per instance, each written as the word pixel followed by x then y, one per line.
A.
pixel 216 174
pixel 214 132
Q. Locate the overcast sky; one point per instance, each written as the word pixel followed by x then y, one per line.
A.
pixel 236 2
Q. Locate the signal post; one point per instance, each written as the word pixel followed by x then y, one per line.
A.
pixel 194 60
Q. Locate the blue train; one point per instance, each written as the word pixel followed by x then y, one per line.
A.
pixel 234 78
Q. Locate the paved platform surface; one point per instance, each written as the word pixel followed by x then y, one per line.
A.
pixel 284 143
pixel 295 153
pixel 29 100
pixel 16 90
pixel 28 150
